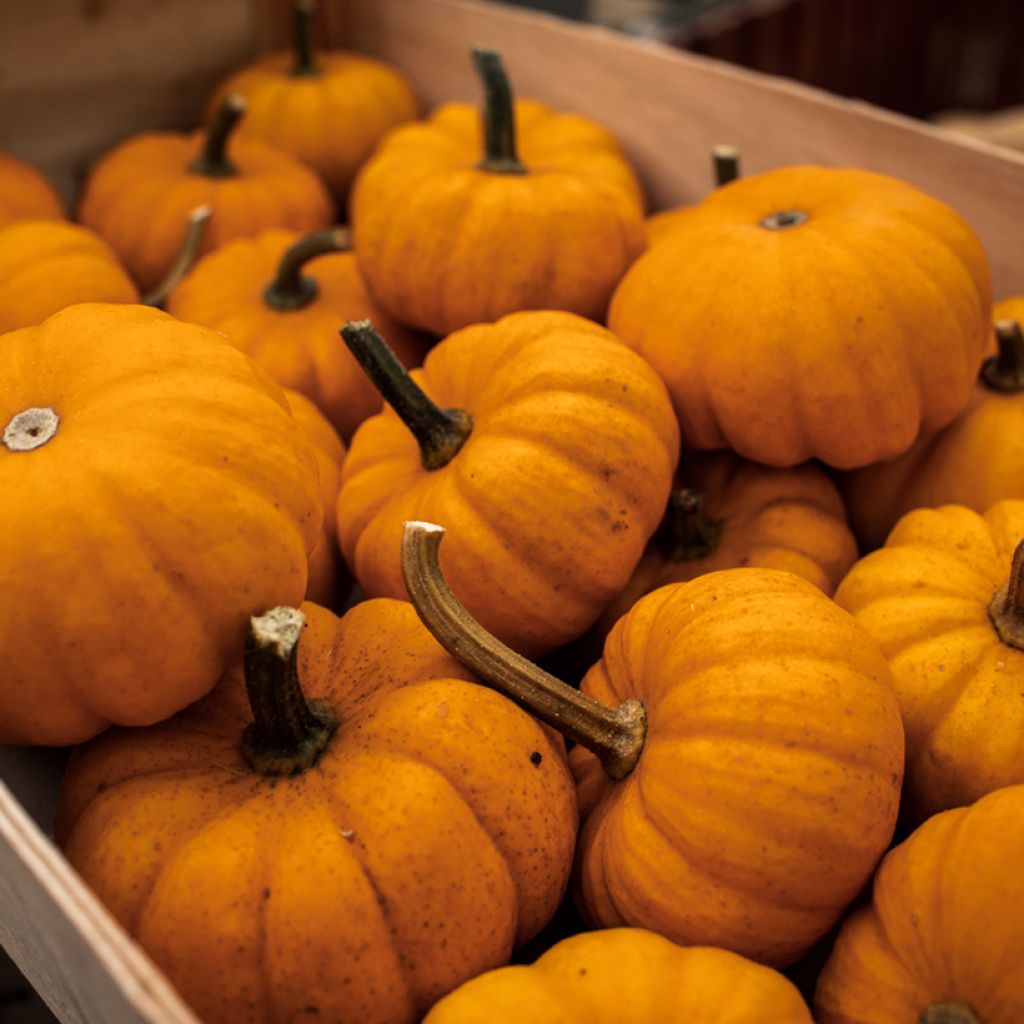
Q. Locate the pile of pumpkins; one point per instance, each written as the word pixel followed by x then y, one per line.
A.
pixel 359 818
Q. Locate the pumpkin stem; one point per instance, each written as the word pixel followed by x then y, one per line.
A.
pixel 440 432
pixel 288 734
pixel 30 429
pixel 687 532
pixel 499 119
pixel 726 161
pixel 953 1012
pixel 195 229
pixel 1007 608
pixel 213 161
pixel 1005 372
pixel 615 735
pixel 291 289
pixel 305 62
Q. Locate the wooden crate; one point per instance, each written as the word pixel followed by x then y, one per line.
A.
pixel 74 78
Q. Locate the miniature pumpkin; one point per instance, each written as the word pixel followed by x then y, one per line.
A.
pixel 326 108
pixel 940 941
pixel 725 164
pixel 626 976
pixel 811 312
pixel 456 225
pixel 353 857
pixel 976 461
pixel 139 195
pixel 549 452
pixel 25 193
pixel 945 599
pixel 280 297
pixel 46 265
pixel 156 492
pixel 328 578
pixel 738 761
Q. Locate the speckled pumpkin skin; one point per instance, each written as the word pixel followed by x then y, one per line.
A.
pixel 443 244
pixel 300 348
pixel 840 338
pixel 626 976
pixel 25 193
pixel 550 501
pixel 944 923
pixel 768 785
pixel 47 265
pixel 925 597
pixel 417 852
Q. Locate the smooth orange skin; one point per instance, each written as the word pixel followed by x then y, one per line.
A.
pixel 330 121
pixel 47 265
pixel 626 976
pixel 976 461
pixel 299 348
pixel 944 924
pixel 25 193
pixel 840 339
pixel 659 225
pixel 418 851
pixel 139 196
pixel 768 785
pixel 443 244
pixel 549 503
pixel 924 597
pixel 177 497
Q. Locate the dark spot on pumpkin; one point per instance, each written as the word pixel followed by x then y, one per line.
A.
pixel 266 894
pixel 583 972
pixel 618 524
pixel 311 1009
pixel 536 758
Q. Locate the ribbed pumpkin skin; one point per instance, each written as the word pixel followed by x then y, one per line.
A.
pixel 626 976
pixel 550 501
pixel 47 265
pixel 839 338
pixel 139 195
pixel 925 597
pixel 176 498
pixel 332 120
pixel 443 244
pixel 417 851
pixel 768 785
pixel 944 924
pixel 25 193
pixel 299 348
pixel 976 461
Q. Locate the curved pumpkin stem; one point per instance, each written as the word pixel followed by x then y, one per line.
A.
pixel 195 229
pixel 615 735
pixel 1005 372
pixel 499 118
pixel 1007 608
pixel 726 162
pixel 291 289
pixel 953 1012
pixel 440 432
pixel 288 733
pixel 213 161
pixel 687 532
pixel 305 62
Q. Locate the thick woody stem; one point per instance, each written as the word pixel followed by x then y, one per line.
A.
pixel 305 63
pixel 291 289
pixel 726 161
pixel 213 161
pixel 615 735
pixel 499 120
pixel 953 1012
pixel 1007 608
pixel 1005 372
pixel 687 532
pixel 195 229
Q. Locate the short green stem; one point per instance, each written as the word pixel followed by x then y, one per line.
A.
pixel 687 532
pixel 213 161
pixel 195 231
pixel 499 119
pixel 291 289
pixel 726 163
pixel 441 433
pixel 953 1012
pixel 305 62
pixel 1005 372
pixel 1007 608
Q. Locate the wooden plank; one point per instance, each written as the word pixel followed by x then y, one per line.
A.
pixel 669 108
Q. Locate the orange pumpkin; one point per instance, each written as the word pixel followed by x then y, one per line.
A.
pixel 940 942
pixel 288 867
pixel 25 193
pixel 280 297
pixel 938 600
pixel 157 491
pixel 46 265
pixel 976 461
pixel 455 224
pixel 626 976
pixel 738 761
pixel 326 108
pixel 328 578
pixel 139 195
pixel 811 312
pixel 549 452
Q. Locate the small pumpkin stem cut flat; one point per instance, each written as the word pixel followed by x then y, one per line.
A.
pixel 687 532
pixel 288 733
pixel 440 432
pixel 615 735
pixel 213 161
pixel 30 429
pixel 305 62
pixel 1007 608
pixel 291 289
pixel 195 230
pixel 726 163
pixel 953 1012
pixel 499 119
pixel 1005 372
